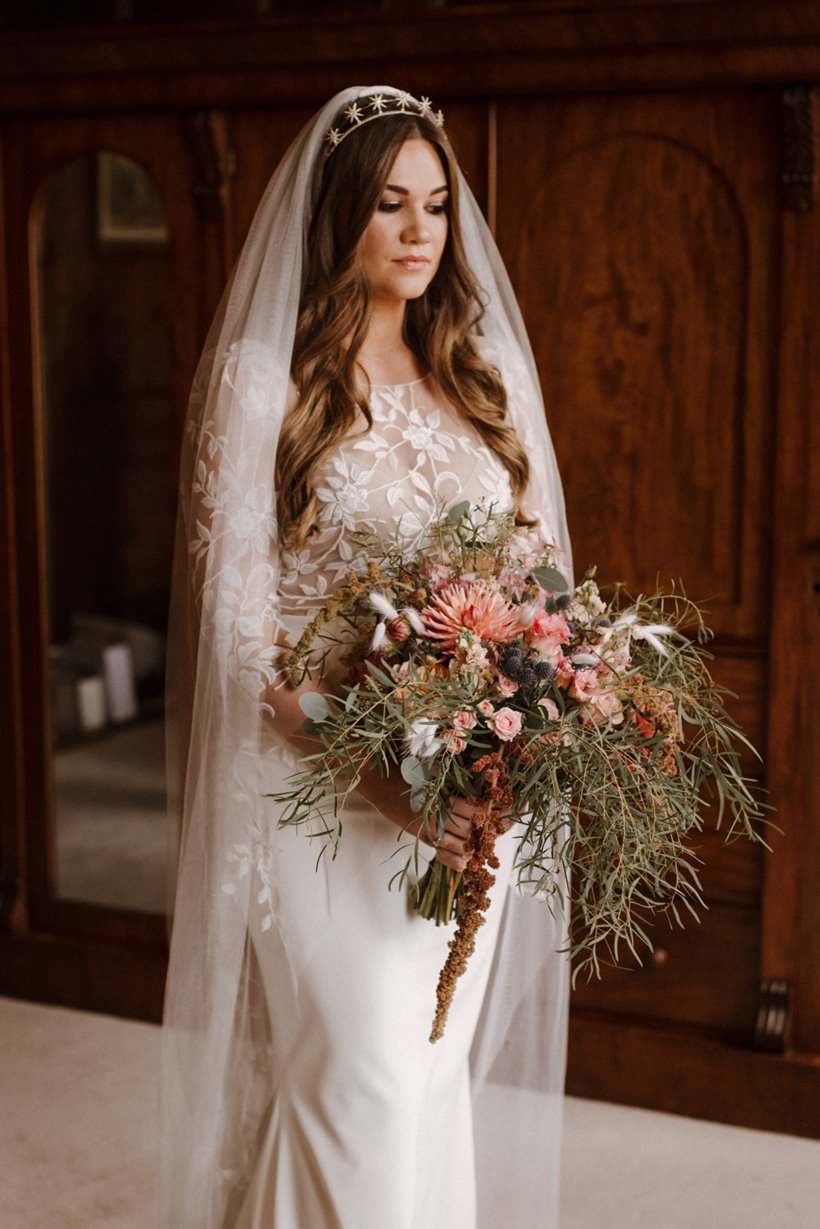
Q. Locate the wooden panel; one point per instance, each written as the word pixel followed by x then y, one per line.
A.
pixel 792 900
pixel 641 237
pixel 566 45
pixel 689 1073
pixel 90 975
pixel 705 977
pixel 628 227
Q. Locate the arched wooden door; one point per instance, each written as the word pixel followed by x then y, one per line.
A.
pixel 644 235
pixel 115 244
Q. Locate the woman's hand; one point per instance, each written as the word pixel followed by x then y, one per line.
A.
pixel 392 800
pixel 452 846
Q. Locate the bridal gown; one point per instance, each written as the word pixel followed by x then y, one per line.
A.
pixel 370 1126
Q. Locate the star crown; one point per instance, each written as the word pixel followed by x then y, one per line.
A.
pixel 376 106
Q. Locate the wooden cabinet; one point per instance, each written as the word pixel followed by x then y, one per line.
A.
pixel 651 175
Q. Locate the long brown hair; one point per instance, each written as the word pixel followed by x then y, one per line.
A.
pixel 334 315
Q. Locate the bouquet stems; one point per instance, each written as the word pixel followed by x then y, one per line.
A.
pixel 472 888
pixel 437 894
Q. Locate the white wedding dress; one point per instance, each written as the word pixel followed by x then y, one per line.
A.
pixel 371 1125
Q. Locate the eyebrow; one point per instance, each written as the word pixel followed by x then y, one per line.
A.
pixel 392 187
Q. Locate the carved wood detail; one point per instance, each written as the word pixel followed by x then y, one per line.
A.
pixel 215 160
pixel 798 174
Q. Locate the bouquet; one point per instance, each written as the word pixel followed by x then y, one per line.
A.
pixel 590 721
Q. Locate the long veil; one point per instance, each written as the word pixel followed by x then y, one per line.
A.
pixel 220 1057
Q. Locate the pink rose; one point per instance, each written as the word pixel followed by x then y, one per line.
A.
pixel 485 708
pixel 454 743
pixel 463 720
pixel 505 687
pixel 550 706
pixel 606 706
pixel 584 685
pixel 505 724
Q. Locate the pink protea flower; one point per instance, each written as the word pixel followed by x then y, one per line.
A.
pixel 478 607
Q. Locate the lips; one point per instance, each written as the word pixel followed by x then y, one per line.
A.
pixel 413 263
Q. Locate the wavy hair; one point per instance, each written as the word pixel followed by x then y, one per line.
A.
pixel 335 312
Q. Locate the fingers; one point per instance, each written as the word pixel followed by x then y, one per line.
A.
pixel 451 847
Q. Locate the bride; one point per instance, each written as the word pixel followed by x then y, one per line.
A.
pixel 367 367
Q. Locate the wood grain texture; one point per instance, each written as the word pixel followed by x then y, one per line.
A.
pixel 640 234
pixel 689 1072
pixel 505 49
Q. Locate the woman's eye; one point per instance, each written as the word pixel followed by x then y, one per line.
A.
pixel 436 209
pixel 389 206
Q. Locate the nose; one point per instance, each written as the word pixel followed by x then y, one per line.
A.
pixel 417 227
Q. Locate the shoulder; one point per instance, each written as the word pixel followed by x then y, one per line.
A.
pixel 250 374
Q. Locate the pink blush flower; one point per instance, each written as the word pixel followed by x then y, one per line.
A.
pixel 606 706
pixel 463 720
pixel 505 724
pixel 438 575
pixel 485 708
pixel 505 687
pixel 550 706
pixel 584 685
pixel 552 627
pixel 564 673
pixel 454 743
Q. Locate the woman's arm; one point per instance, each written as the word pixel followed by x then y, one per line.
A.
pixel 388 794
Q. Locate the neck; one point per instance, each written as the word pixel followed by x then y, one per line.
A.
pixel 385 356
pixel 385 331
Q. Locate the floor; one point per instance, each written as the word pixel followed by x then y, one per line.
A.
pixel 77 1144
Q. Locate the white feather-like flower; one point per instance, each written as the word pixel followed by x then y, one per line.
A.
pixel 414 619
pixel 421 738
pixel 378 637
pixel 385 608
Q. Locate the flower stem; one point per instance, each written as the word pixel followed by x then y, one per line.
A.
pixel 437 893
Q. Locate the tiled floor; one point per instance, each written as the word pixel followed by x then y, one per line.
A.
pixel 77 1144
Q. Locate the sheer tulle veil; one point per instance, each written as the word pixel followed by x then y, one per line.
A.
pixel 221 1051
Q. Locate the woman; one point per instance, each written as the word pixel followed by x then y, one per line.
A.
pixel 368 366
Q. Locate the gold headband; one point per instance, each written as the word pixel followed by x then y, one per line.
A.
pixel 377 106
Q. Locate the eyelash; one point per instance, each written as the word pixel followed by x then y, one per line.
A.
pixel 395 206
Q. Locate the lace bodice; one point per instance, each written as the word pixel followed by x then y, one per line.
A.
pixel 418 458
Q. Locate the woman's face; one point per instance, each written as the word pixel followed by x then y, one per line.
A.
pixel 402 244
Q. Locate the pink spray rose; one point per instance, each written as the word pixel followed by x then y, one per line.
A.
pixel 505 724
